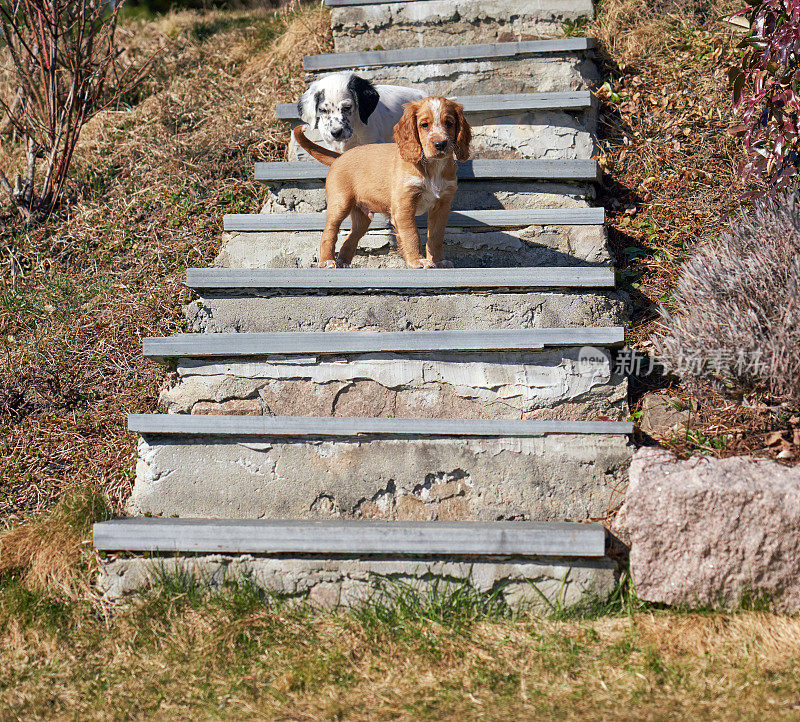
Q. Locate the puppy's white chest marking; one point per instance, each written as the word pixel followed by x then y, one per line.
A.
pixel 433 189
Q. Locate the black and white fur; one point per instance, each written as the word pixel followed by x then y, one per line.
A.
pixel 348 110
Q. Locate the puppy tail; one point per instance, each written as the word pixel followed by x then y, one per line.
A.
pixel 323 155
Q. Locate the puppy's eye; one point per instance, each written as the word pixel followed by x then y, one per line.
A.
pixel 448 123
pixel 424 125
pixel 347 108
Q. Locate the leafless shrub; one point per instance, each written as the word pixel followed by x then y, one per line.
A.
pixel 737 304
pixel 64 56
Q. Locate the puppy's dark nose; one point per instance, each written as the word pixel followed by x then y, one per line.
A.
pixel 440 144
pixel 337 133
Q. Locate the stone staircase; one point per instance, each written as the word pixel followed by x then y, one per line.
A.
pixel 332 428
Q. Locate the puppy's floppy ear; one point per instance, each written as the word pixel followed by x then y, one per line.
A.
pixel 307 105
pixel 365 95
pixel 406 136
pixel 463 133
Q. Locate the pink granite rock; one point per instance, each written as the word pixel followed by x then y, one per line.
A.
pixel 710 531
pixel 234 407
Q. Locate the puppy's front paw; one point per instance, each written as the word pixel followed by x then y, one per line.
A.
pixel 341 264
pixel 327 264
pixel 444 263
pixel 421 263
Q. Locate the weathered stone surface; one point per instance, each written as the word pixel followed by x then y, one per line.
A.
pixel 711 531
pixel 263 312
pixel 348 582
pixel 232 407
pixel 466 248
pixel 518 134
pixel 492 386
pixel 532 74
pixel 661 417
pixel 309 197
pixel 450 22
pixel 559 477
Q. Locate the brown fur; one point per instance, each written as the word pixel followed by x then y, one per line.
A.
pixel 398 179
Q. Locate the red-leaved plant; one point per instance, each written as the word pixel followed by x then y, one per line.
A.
pixel 766 89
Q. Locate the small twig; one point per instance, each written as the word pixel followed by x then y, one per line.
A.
pixel 31 151
pixel 8 122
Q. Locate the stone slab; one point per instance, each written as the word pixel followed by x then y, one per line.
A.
pixel 479 104
pixel 437 279
pixel 413 538
pixel 345 427
pixel 454 53
pixel 521 583
pixel 466 248
pixel 554 477
pixel 544 385
pixel 450 22
pixel 262 222
pixel 713 532
pixel 295 343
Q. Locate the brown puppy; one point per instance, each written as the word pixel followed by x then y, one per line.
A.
pixel 414 175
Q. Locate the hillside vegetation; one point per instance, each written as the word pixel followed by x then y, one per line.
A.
pixel 151 183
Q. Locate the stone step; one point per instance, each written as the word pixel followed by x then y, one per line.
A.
pixel 483 238
pixel 517 67
pixel 532 246
pixel 278 536
pixel 359 25
pixel 330 564
pixel 273 300
pixel 511 126
pixel 483 185
pixel 236 345
pixel 517 218
pixel 377 468
pixel 398 280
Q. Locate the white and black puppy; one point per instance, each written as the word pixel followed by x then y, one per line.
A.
pixel 348 110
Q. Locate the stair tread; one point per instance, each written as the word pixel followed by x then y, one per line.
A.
pixel 571 100
pixel 350 537
pixel 347 3
pixel 342 426
pixel 488 168
pixel 290 343
pixel 262 222
pixel 351 279
pixel 416 56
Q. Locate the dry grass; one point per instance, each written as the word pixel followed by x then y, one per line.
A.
pixel 151 184
pixel 188 656
pixel 54 551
